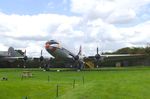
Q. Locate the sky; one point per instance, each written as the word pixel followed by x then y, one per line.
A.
pixel 108 24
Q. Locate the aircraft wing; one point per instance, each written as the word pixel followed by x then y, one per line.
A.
pixel 7 58
pixel 120 55
pixel 114 56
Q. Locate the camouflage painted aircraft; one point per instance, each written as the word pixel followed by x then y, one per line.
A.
pixel 11 55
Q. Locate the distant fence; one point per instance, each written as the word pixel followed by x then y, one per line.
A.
pixel 58 89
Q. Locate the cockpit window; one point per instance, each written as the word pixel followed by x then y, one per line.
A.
pixel 53 42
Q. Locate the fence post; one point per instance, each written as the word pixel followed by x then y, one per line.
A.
pixel 25 97
pixel 83 79
pixel 21 77
pixel 57 90
pixel 74 83
pixel 48 78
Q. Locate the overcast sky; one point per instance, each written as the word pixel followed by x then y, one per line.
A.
pixel 108 24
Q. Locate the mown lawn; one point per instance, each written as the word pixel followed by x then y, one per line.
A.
pixel 114 83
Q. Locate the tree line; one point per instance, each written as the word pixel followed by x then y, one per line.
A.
pixel 132 50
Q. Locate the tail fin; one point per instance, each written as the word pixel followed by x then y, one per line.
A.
pixel 11 52
pixel 80 50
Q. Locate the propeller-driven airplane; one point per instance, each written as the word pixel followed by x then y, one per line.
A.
pixel 79 61
pixel 61 55
pixel 11 55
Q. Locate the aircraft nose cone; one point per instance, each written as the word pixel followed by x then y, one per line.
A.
pixel 47 45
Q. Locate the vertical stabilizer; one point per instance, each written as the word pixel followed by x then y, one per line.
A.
pixel 80 50
pixel 11 52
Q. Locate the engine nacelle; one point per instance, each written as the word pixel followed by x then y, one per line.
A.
pixel 97 56
pixel 41 58
pixel 25 58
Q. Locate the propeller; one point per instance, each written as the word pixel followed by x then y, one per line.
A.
pixel 25 56
pixel 25 59
pixel 41 57
pixel 97 56
pixel 77 59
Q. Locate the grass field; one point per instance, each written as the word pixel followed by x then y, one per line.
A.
pixel 122 83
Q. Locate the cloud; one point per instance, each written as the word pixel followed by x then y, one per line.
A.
pixel 22 31
pixel 35 25
pixel 111 11
pixel 141 33
pixel 122 16
pixel 3 47
pixel 94 25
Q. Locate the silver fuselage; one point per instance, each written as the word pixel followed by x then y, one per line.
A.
pixel 58 52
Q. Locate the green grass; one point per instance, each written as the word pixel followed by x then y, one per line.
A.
pixel 108 83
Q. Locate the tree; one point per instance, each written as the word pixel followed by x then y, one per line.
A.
pixel 125 50
pixel 147 49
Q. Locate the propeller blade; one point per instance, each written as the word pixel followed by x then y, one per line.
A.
pixel 80 50
pixel 97 50
pixel 25 52
pixel 41 52
pixel 71 55
pixel 41 57
pixel 97 63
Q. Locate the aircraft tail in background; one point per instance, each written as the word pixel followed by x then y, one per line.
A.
pixel 13 53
